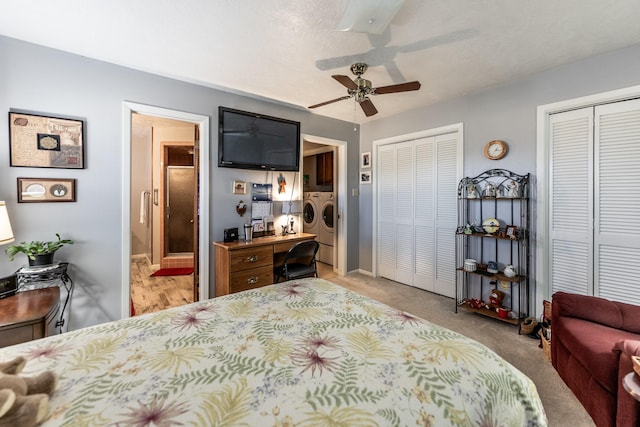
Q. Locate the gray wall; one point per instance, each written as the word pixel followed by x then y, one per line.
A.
pixel 507 112
pixel 45 80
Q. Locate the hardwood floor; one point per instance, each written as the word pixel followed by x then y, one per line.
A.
pixel 151 294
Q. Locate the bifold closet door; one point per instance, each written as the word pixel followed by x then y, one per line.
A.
pixel 571 202
pixel 395 212
pixel 617 201
pixel 435 214
pixel 417 212
pixel 594 200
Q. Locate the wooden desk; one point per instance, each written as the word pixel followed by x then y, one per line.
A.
pixel 29 315
pixel 248 265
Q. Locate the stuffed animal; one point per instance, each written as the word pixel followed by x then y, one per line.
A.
pixel 24 401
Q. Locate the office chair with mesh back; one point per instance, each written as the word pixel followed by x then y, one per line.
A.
pixel 300 261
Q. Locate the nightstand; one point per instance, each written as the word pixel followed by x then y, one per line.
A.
pixel 46 276
pixel 29 315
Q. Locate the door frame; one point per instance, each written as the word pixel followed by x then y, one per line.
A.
pixel 340 259
pixel 541 281
pixel 376 144
pixel 128 108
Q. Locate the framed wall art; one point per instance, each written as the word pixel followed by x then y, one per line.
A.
pixel 38 141
pixel 46 190
pixel 239 187
pixel 365 177
pixel 365 160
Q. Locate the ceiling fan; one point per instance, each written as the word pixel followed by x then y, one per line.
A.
pixel 360 88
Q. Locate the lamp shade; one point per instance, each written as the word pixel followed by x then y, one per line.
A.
pixel 292 207
pixel 6 233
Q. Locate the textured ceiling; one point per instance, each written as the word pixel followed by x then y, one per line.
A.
pixel 287 50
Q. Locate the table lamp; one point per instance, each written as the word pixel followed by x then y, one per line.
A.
pixel 6 233
pixel 291 208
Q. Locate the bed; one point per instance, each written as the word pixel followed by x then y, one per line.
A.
pixel 304 353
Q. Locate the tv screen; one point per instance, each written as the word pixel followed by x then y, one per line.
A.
pixel 255 141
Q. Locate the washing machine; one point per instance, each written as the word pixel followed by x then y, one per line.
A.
pixel 327 221
pixel 311 213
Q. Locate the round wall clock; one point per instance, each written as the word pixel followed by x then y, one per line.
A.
pixel 495 149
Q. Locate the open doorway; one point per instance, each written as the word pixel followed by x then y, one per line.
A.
pixel 167 228
pixel 164 224
pixel 325 187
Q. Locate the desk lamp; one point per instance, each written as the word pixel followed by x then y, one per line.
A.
pixel 291 208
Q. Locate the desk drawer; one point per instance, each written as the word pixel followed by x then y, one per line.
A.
pixel 250 279
pixel 243 259
pixel 285 246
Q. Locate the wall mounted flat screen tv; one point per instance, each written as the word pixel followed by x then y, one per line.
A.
pixel 255 141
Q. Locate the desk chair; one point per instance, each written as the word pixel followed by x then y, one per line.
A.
pixel 300 261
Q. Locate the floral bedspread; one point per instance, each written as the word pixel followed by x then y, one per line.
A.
pixel 298 353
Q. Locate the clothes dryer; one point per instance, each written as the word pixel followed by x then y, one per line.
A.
pixel 311 213
pixel 326 234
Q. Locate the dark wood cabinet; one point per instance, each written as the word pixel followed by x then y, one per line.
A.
pixel 324 168
pixel 29 315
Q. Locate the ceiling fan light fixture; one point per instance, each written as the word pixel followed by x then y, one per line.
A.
pixel 369 16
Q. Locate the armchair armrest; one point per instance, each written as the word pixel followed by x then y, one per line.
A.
pixel 628 347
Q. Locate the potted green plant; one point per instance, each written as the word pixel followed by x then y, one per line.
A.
pixel 38 252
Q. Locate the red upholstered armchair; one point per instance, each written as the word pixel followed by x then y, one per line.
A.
pixel 591 346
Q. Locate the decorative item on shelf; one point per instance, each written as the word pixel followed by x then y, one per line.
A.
pixel 468 229
pixel 470 264
pixel 510 271
pixel 495 297
pixel 492 267
pixel 490 225
pixel 489 190
pixel 481 267
pixel 503 312
pixel 475 303
pixel 38 252
pixel 472 190
pixel 513 189
pixel 511 232
pixel 241 208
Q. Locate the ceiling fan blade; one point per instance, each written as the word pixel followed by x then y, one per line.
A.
pixel 329 102
pixel 345 81
pixel 401 87
pixel 368 107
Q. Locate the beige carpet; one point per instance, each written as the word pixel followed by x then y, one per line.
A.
pixel 562 408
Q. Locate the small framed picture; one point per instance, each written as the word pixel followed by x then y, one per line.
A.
pixel 365 177
pixel 511 231
pixel 239 187
pixel 46 190
pixel 365 160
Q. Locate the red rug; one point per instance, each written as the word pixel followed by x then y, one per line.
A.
pixel 173 272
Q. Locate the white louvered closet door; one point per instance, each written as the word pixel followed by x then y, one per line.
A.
pixel 595 199
pixel 417 212
pixel 386 178
pixel 617 201
pixel 446 214
pixel 571 202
